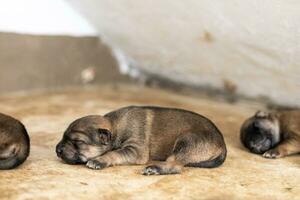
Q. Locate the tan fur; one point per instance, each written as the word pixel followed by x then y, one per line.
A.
pixel 290 133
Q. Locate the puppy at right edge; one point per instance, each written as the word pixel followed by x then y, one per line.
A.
pixel 272 134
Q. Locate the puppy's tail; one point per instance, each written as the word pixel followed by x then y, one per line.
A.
pixel 216 162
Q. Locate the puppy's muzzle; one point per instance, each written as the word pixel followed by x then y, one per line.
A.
pixel 59 150
pixel 260 146
pixel 67 155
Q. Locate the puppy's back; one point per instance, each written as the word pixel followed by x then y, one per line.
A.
pixel 163 120
pixel 160 125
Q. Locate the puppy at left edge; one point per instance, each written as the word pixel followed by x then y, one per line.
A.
pixel 138 135
pixel 14 142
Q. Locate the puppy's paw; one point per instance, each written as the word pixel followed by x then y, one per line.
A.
pixel 273 153
pixel 151 170
pixel 95 164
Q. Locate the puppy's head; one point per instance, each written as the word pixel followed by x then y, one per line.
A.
pixel 84 139
pixel 260 132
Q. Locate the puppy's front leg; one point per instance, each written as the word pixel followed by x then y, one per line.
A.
pixel 288 147
pixel 126 155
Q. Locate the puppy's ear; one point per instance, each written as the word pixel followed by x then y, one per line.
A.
pixel 261 114
pixel 104 136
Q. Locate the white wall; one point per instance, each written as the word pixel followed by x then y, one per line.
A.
pixel 253 44
pixel 43 17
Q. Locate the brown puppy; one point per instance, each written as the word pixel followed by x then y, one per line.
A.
pixel 275 134
pixel 136 135
pixel 14 142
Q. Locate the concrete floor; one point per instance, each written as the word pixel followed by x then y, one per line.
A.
pixel 44 176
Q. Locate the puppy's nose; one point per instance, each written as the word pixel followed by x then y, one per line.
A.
pixel 59 150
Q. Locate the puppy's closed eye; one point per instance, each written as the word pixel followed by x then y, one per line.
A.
pixel 78 143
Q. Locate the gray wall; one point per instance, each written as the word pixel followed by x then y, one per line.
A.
pixel 40 62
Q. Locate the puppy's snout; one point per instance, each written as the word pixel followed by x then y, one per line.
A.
pixel 254 145
pixel 255 148
pixel 260 145
pixel 59 150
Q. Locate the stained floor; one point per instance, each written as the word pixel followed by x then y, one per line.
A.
pixel 44 176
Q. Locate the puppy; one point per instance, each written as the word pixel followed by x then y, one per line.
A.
pixel 136 135
pixel 274 134
pixel 14 142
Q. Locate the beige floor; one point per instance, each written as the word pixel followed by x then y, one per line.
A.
pixel 43 176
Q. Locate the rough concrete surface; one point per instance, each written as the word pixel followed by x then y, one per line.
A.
pixel 44 176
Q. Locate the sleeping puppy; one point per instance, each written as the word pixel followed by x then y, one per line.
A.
pixel 14 142
pixel 137 135
pixel 275 134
